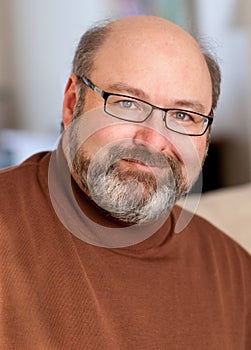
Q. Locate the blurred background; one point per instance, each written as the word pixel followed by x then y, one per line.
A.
pixel 37 42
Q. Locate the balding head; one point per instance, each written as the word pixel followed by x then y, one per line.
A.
pixel 151 26
pixel 148 33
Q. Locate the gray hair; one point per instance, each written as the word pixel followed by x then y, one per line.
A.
pixel 83 62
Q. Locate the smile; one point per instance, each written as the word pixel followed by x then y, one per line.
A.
pixel 139 165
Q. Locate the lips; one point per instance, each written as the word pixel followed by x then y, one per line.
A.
pixel 139 165
pixel 141 157
pixel 137 161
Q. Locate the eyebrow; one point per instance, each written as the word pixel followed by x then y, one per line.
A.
pixel 138 93
pixel 191 105
pixel 124 88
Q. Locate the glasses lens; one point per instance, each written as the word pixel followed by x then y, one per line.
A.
pixel 134 110
pixel 186 122
pixel 127 108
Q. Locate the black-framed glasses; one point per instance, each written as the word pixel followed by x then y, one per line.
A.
pixel 135 110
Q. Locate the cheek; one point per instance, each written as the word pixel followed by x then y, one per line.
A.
pixel 95 129
pixel 196 158
pixel 93 138
pixel 99 140
pixel 201 147
pixel 189 148
pixel 191 151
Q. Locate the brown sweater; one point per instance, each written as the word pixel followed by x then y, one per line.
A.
pixel 172 291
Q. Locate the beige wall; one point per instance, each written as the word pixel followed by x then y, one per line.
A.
pixel 4 42
pixel 5 66
pixel 243 20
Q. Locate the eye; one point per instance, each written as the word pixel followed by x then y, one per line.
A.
pixel 127 104
pixel 183 116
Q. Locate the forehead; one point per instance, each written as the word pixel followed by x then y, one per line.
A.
pixel 157 58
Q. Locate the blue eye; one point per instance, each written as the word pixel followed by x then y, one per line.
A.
pixel 127 104
pixel 182 116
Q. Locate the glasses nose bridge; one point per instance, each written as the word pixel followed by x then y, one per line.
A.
pixel 163 112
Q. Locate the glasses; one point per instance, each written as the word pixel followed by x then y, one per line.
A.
pixel 135 110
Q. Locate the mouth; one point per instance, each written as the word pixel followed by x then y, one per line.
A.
pixel 138 165
pixel 134 161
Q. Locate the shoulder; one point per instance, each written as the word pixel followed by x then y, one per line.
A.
pixel 20 181
pixel 203 246
pixel 208 240
pixel 27 167
pixel 32 160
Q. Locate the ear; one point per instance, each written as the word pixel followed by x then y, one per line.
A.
pixel 70 100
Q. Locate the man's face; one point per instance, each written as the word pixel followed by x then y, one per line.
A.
pixel 138 171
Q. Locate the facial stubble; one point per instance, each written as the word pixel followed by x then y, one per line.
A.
pixel 127 194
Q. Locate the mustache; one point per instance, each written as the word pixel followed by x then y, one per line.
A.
pixel 108 158
pixel 143 155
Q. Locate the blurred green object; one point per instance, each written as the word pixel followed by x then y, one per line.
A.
pixel 175 10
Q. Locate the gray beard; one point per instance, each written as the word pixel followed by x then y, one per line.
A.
pixel 131 196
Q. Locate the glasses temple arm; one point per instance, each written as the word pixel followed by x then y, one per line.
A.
pixel 92 86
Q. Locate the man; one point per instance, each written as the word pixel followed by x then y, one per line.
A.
pixel 90 258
